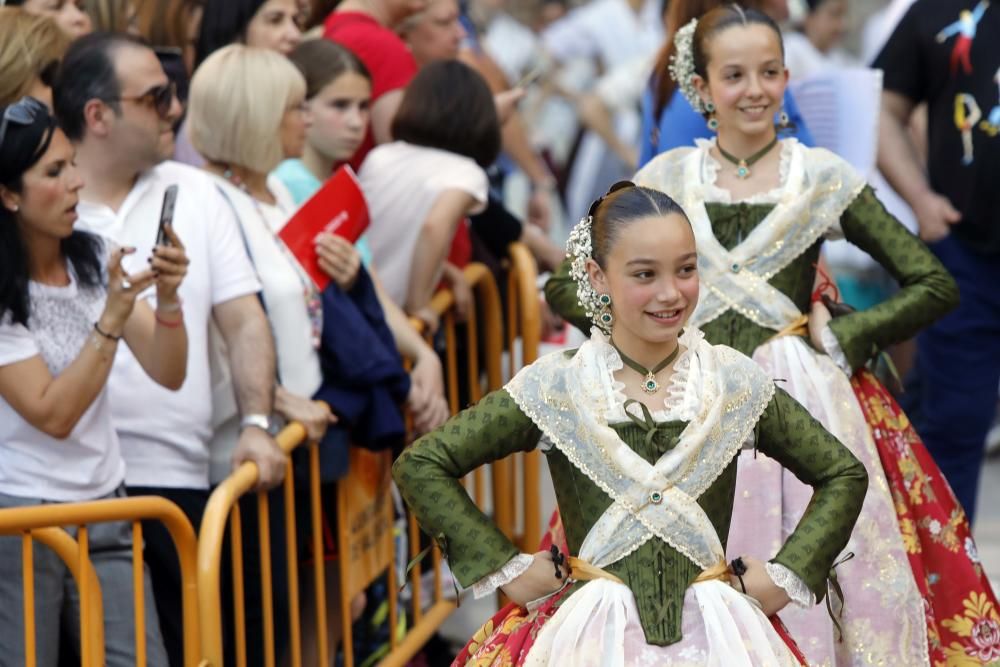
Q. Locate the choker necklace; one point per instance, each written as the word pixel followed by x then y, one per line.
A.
pixel 649 383
pixel 743 165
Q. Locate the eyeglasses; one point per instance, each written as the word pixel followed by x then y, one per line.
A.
pixel 162 97
pixel 22 112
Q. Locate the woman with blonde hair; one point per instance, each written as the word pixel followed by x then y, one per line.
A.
pixel 31 47
pixel 247 114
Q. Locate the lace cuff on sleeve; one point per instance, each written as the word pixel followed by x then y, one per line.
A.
pixel 514 568
pixel 833 349
pixel 790 582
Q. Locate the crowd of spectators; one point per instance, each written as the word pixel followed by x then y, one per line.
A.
pixel 138 364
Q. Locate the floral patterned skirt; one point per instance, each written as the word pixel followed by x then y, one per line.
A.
pixel 963 619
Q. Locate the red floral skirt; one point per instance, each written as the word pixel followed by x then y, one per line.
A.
pixel 963 620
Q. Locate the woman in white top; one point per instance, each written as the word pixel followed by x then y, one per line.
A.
pixel 246 115
pixel 421 187
pixel 65 304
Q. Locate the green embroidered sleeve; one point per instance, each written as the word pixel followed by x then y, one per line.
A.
pixel 790 435
pixel 428 474
pixel 926 292
pixel 560 294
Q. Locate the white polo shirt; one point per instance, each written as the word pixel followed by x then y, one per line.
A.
pixel 164 434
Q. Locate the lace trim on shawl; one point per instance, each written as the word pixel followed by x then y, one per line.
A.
pixel 568 451
pixel 679 401
pixel 776 242
pixel 514 568
pixel 554 394
pixel 716 194
pixel 791 583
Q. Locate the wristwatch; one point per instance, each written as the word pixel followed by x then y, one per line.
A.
pixel 261 421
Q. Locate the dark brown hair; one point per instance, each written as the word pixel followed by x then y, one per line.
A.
pixel 322 62
pixel 449 106
pixel 23 146
pixel 712 15
pixel 165 22
pixel 625 203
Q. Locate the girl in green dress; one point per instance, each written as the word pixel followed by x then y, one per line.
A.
pixel 641 427
pixel 760 208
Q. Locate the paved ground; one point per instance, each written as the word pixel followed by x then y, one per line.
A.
pixel 987 528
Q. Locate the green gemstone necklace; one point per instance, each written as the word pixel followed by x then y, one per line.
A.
pixel 649 383
pixel 743 165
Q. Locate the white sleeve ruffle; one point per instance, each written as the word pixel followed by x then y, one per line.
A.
pixel 791 583
pixel 514 568
pixel 832 347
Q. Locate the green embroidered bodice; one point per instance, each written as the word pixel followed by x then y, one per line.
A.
pixel 427 474
pixel 926 292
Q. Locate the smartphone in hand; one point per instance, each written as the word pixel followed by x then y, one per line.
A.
pixel 166 214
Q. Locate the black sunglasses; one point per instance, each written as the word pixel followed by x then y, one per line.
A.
pixel 22 112
pixel 162 96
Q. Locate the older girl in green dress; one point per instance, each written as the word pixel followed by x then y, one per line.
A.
pixel 641 427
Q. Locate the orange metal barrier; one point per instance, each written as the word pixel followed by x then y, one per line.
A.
pixel 524 321
pixel 222 505
pixel 364 501
pixel 485 312
pixel 201 560
pixel 43 523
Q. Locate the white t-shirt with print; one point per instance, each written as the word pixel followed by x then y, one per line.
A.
pixel 401 182
pixel 165 434
pixel 87 464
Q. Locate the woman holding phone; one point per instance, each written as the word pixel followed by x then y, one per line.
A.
pixel 66 306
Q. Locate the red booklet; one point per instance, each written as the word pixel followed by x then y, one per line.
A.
pixel 337 208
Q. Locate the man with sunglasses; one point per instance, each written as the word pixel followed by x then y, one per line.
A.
pixel 117 106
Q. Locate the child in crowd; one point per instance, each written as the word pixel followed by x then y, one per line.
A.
pixel 338 95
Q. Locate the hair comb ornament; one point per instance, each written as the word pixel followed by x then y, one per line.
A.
pixel 580 247
pixel 681 65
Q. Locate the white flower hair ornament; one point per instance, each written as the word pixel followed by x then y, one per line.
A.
pixel 682 65
pixel 581 248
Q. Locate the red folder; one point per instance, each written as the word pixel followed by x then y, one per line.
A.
pixel 339 208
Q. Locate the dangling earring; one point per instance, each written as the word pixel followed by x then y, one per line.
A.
pixel 713 122
pixel 783 121
pixel 605 316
